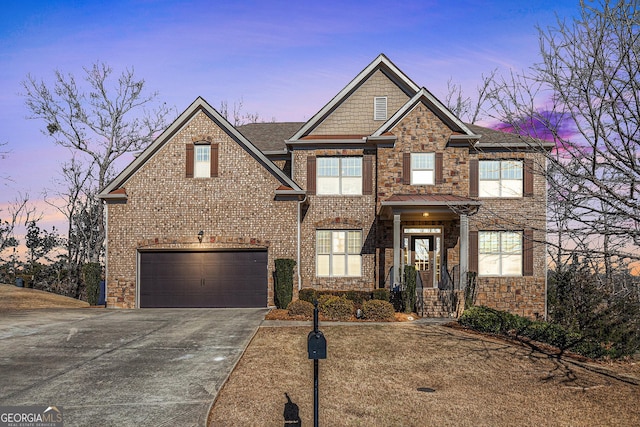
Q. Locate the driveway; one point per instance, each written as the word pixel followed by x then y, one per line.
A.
pixel 157 367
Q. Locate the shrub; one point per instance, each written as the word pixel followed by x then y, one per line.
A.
pixel 381 294
pixel 92 273
pixel 358 297
pixel 284 282
pixel 308 294
pixel 378 310
pixel 336 308
pixel 410 288
pixel 300 308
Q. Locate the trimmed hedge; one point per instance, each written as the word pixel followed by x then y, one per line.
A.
pixel 357 297
pixel 91 274
pixel 284 282
pixel 300 308
pixel 308 294
pixel 410 288
pixel 378 310
pixel 381 294
pixel 336 308
pixel 493 321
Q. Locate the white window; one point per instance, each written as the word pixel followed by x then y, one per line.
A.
pixel 423 167
pixel 500 178
pixel 339 175
pixel 202 161
pixel 380 108
pixel 338 253
pixel 499 253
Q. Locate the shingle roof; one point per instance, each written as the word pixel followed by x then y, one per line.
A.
pixel 498 138
pixel 269 136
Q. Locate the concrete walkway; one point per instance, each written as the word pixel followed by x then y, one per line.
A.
pixel 157 367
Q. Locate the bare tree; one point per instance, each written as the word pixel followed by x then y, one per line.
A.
pixel 99 125
pixel 465 107
pixel 19 212
pixel 585 95
pixel 236 116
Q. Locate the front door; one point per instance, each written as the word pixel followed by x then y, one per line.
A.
pixel 422 258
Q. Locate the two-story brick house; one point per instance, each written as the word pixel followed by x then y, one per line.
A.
pixel 382 176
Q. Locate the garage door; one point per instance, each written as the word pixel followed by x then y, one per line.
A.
pixel 203 279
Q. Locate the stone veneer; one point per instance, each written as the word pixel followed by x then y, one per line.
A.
pixel 165 210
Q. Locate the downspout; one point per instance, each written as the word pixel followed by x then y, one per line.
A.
pixel 300 202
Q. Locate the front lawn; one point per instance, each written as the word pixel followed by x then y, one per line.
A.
pixel 373 374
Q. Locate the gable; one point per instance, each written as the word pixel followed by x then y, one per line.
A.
pixel 199 123
pixel 355 115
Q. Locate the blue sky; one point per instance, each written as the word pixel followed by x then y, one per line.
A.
pixel 285 60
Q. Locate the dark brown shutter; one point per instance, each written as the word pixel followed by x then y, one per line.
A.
pixel 311 175
pixel 527 253
pixel 528 177
pixel 473 251
pixel 214 160
pixel 439 172
pixel 367 174
pixel 189 162
pixel 473 177
pixel 406 168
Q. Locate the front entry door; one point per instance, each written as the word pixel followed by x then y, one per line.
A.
pixel 422 258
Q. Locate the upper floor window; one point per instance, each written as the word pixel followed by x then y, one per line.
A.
pixel 202 161
pixel 500 178
pixel 339 175
pixel 338 253
pixel 423 167
pixel 380 108
pixel 499 253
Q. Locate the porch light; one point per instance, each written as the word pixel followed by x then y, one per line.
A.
pixel 200 236
pixel 425 214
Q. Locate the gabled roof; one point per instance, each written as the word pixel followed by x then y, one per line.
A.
pixel 438 108
pixel 381 63
pixel 198 105
pixel 497 139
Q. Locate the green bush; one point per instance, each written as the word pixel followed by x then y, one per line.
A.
pixel 300 308
pixel 381 294
pixel 284 282
pixel 358 297
pixel 336 308
pixel 308 294
pixel 410 288
pixel 378 310
pixel 92 273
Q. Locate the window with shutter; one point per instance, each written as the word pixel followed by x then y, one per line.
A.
pixel 380 108
pixel 367 174
pixel 500 253
pixel 311 175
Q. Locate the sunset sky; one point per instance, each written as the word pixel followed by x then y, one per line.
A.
pixel 283 59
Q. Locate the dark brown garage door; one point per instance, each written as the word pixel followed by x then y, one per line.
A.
pixel 203 279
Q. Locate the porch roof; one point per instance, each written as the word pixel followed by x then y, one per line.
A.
pixel 443 205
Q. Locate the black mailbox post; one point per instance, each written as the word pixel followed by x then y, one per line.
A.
pixel 317 348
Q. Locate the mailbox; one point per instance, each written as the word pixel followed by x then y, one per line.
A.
pixel 317 345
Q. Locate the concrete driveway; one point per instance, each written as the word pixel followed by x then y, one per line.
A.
pixel 155 367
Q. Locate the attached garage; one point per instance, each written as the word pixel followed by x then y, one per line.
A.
pixel 188 279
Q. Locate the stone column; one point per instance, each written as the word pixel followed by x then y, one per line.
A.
pixel 464 249
pixel 396 250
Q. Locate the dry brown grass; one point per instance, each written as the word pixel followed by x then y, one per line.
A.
pixel 14 298
pixel 372 374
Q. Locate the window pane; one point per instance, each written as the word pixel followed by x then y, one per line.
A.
pixel 328 185
pixel 489 242
pixel 338 265
pixel 489 169
pixel 201 167
pixel 511 243
pixel 351 186
pixel 354 266
pixel 327 166
pixel 488 265
pixel 423 160
pixel 324 242
pixel 511 169
pixel 351 166
pixel 511 188
pixel 323 265
pixel 202 153
pixel 422 177
pixel 489 189
pixel 354 244
pixel 512 265
pixel 339 241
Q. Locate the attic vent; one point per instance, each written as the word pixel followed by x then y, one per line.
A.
pixel 380 108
